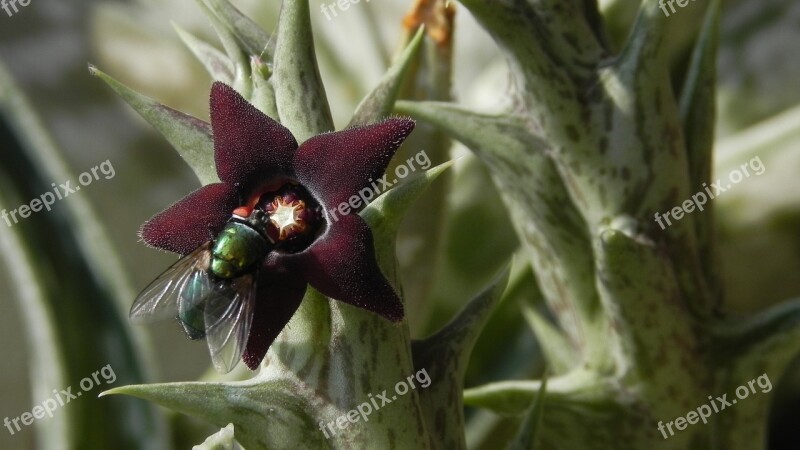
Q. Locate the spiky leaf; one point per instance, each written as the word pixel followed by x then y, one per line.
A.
pixel 190 136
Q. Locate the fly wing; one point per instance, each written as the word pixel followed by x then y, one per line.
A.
pixel 228 315
pixel 161 298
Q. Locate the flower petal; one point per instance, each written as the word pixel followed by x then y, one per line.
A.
pixel 249 146
pixel 341 265
pixel 191 221
pixel 278 296
pixel 335 166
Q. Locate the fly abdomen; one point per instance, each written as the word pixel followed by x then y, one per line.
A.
pixel 190 306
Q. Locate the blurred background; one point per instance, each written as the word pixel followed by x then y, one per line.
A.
pixel 47 45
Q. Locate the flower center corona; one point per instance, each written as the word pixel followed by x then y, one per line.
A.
pixel 287 216
pixel 293 218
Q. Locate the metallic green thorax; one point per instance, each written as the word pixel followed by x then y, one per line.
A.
pixel 236 250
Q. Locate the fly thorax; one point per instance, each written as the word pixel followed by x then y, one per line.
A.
pixel 237 249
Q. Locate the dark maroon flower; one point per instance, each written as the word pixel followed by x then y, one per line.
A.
pixel 261 166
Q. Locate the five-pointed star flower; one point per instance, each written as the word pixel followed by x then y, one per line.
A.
pixel 261 167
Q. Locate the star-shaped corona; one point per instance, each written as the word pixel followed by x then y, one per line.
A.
pixel 288 217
